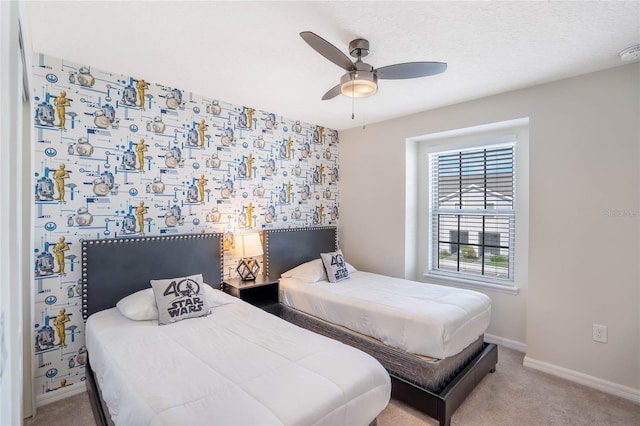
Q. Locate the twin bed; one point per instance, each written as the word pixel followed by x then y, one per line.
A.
pixel 236 366
pixel 241 365
pixel 428 337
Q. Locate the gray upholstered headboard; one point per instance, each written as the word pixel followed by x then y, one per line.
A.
pixel 287 248
pixel 116 267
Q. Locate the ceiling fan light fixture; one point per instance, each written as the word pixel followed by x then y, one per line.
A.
pixel 359 84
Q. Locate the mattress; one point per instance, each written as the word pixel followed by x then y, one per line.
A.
pixel 239 365
pixel 419 318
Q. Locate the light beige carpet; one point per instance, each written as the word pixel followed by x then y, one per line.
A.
pixel 513 395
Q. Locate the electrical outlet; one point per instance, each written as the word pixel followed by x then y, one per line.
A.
pixel 600 333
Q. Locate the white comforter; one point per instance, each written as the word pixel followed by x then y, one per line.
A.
pixel 420 318
pixel 238 365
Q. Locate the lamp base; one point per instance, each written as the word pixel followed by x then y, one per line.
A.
pixel 248 269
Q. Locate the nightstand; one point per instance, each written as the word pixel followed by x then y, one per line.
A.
pixel 261 292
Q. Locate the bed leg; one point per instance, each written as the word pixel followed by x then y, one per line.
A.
pixel 493 370
pixel 445 422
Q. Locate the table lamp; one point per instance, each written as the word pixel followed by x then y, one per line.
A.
pixel 246 247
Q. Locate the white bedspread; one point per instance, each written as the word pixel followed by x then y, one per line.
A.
pixel 420 318
pixel 237 366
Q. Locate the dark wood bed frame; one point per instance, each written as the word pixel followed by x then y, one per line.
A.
pixel 287 248
pixel 115 268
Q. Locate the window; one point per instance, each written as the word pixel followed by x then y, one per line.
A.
pixel 472 213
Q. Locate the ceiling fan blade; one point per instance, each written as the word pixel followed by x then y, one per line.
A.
pixel 332 93
pixel 327 50
pixel 410 70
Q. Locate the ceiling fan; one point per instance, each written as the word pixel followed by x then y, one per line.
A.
pixel 361 79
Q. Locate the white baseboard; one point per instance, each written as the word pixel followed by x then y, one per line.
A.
pixel 593 382
pixel 507 343
pixel 59 394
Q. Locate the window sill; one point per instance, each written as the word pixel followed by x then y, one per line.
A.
pixel 461 282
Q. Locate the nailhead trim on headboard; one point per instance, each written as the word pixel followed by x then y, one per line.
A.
pixel 267 232
pixel 136 240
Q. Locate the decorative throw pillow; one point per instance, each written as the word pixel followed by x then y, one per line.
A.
pixel 180 298
pixel 335 265
pixel 141 305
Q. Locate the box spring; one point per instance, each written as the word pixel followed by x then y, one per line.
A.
pixel 429 374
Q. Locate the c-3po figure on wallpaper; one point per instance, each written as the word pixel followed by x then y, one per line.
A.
pixel 140 149
pixel 140 211
pixel 141 86
pixel 61 102
pixel 201 127
pixel 59 176
pixel 59 323
pixel 201 183
pixel 58 251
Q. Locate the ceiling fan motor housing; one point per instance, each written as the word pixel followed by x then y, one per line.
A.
pixel 359 48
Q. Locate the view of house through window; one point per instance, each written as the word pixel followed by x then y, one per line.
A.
pixel 473 212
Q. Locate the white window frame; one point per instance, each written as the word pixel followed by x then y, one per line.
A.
pixel 462 138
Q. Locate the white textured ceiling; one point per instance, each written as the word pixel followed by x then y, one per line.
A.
pixel 250 53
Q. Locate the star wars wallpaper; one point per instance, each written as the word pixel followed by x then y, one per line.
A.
pixel 119 156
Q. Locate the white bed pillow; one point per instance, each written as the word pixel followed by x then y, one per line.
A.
pixel 312 271
pixel 215 297
pixel 141 305
pixel 335 265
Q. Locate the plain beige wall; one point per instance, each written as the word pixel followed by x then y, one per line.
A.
pixel 584 207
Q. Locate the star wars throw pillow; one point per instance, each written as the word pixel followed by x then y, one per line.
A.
pixel 335 265
pixel 180 298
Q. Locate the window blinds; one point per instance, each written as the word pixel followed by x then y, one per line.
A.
pixel 473 211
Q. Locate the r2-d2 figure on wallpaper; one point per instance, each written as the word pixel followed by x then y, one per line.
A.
pixel 44 189
pixel 45 338
pixel 128 225
pixel 192 194
pixel 192 138
pixel 129 96
pixel 44 264
pixel 45 115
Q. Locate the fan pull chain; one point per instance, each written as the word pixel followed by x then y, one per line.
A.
pixel 353 100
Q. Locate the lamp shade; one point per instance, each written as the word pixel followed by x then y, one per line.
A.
pixel 247 245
